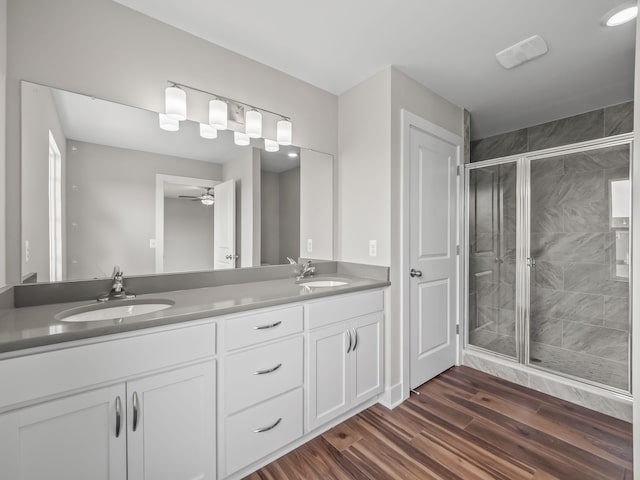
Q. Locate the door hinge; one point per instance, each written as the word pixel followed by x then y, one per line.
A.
pixel 457 249
pixel 457 329
pixel 458 170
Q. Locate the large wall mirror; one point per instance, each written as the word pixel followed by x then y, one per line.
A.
pixel 103 185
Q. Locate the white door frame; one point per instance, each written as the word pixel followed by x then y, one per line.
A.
pixel 410 120
pixel 161 179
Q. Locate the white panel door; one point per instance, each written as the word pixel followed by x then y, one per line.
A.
pixel 224 225
pixel 366 358
pixel 328 380
pixel 73 438
pixel 433 262
pixel 171 425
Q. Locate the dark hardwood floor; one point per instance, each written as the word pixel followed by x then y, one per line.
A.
pixel 466 425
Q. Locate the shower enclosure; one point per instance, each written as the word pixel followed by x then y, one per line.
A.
pixel 547 260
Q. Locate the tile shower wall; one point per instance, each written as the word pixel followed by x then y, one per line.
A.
pixel 579 301
pixel 604 122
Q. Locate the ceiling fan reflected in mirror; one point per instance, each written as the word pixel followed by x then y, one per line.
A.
pixel 206 198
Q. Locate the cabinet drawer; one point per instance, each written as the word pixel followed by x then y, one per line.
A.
pixel 245 330
pixel 325 312
pixel 262 373
pixel 263 429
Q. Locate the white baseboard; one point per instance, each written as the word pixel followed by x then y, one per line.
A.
pixel 392 396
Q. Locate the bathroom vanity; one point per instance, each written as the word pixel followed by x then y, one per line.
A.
pixel 224 381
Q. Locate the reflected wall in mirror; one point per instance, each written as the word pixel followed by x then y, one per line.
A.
pixel 103 185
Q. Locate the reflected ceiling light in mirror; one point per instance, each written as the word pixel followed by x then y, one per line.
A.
pixel 208 132
pixel 175 102
pixel 271 145
pixel 169 124
pixel 218 114
pixel 241 139
pixel 621 14
pixel 284 130
pixel 253 123
pixel 292 155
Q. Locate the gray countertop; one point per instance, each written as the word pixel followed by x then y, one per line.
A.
pixel 28 327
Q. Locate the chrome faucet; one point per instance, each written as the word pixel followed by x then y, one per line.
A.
pixel 302 270
pixel 117 291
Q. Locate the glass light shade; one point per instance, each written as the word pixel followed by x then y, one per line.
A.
pixel 622 16
pixel 271 145
pixel 284 131
pixel 218 114
pixel 169 124
pixel 241 139
pixel 207 131
pixel 175 102
pixel 207 200
pixel 253 124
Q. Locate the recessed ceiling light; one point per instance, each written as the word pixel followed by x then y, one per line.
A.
pixel 292 154
pixel 621 14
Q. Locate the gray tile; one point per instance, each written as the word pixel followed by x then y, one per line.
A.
pixel 586 217
pixel 616 312
pixel 546 167
pixel 473 311
pixel 618 119
pixel 487 318
pixel 603 158
pixel 569 247
pixel 578 128
pixel 507 322
pixel 487 294
pixel 547 219
pixel 467 136
pixel 545 330
pixel 593 278
pixel 569 305
pixel 510 143
pixel 508 270
pixel 548 275
pixel 602 342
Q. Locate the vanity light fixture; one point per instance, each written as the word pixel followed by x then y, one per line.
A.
pixel 253 123
pixel 222 110
pixel 271 145
pixel 284 131
pixel 241 139
pixel 169 124
pixel 207 131
pixel 621 14
pixel 175 102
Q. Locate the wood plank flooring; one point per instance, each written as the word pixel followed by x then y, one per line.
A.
pixel 466 425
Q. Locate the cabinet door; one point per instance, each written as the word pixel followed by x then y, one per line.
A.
pixel 328 383
pixel 73 438
pixel 366 358
pixel 171 425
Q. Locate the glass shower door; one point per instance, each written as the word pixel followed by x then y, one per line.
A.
pixel 491 196
pixel 579 276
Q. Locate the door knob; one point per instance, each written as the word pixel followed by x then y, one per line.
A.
pixel 415 273
pixel 231 257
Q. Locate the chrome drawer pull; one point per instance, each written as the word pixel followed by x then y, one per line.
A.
pixel 264 327
pixel 270 427
pixel 118 415
pixel 355 344
pixel 135 411
pixel 269 370
pixel 350 340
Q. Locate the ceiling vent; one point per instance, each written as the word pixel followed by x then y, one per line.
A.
pixel 522 52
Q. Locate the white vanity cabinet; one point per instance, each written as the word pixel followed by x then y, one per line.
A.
pixel 344 365
pixel 152 427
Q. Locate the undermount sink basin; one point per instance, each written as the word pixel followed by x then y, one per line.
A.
pixel 323 283
pixel 118 309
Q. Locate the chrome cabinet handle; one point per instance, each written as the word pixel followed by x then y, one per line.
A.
pixel 350 340
pixel 355 344
pixel 264 327
pixel 415 273
pixel 118 415
pixel 269 370
pixel 270 427
pixel 135 411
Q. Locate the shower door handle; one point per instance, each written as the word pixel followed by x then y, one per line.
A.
pixel 531 262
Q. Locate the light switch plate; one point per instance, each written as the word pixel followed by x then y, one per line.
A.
pixel 152 243
pixel 373 248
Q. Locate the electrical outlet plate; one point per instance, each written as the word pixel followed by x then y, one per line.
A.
pixel 373 248
pixel 309 245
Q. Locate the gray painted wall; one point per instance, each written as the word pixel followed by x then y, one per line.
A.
pixel 70 44
pixel 188 236
pixel 111 206
pixel 317 206
pixel 3 144
pixel 289 221
pixel 270 217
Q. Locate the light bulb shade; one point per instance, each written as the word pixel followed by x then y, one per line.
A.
pixel 218 114
pixel 207 200
pixel 253 124
pixel 271 145
pixel 284 132
pixel 241 139
pixel 175 102
pixel 207 131
pixel 169 124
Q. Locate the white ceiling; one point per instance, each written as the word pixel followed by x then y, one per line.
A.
pixel 447 45
pixel 98 121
